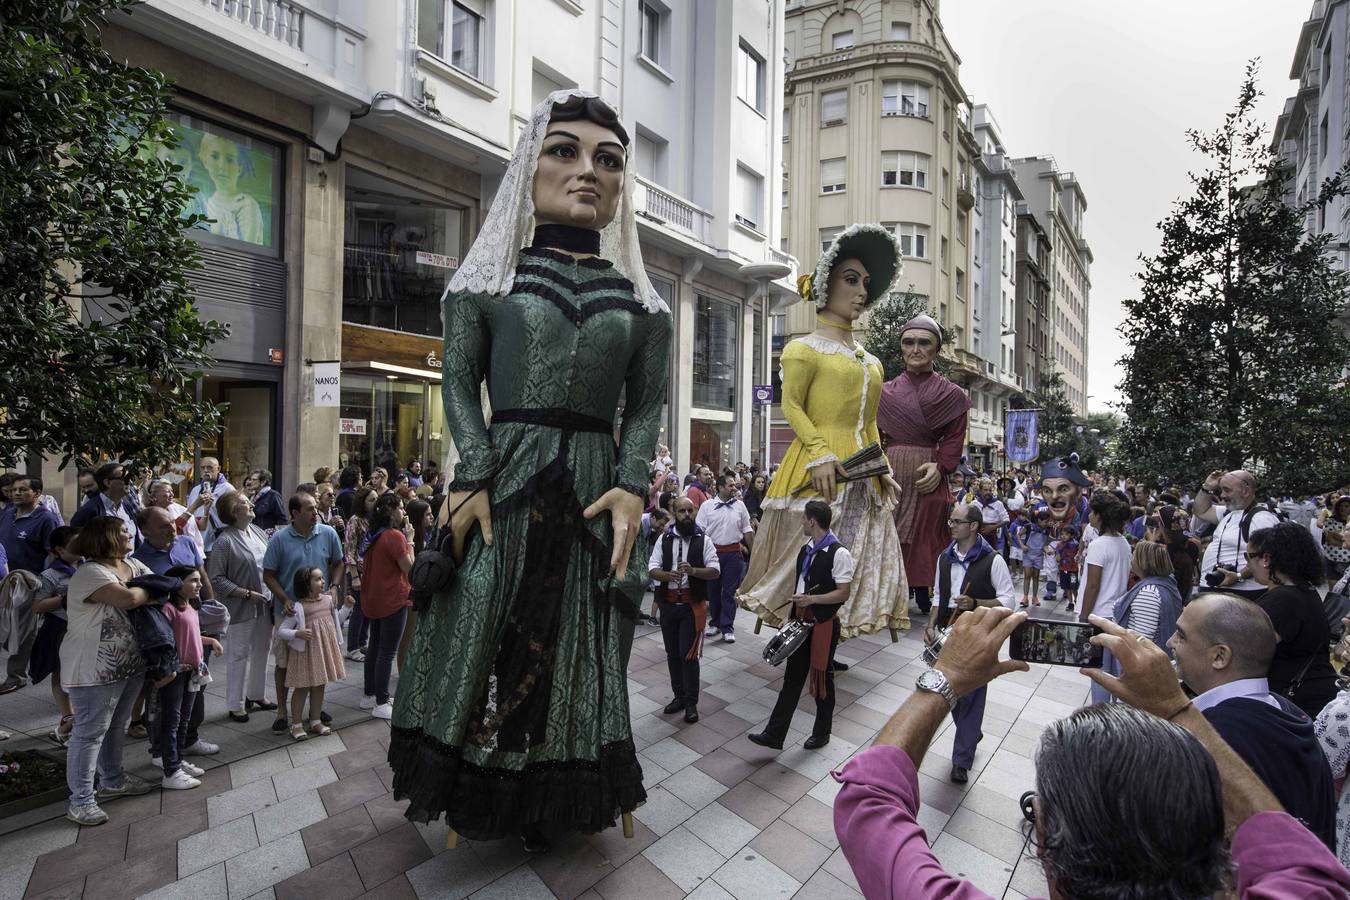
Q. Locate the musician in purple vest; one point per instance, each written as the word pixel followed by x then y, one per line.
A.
pixel 982 579
pixel 824 580
pixel 681 564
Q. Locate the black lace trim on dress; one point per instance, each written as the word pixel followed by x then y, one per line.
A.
pixel 578 316
pixel 554 277
pixel 636 490
pixel 566 237
pixel 485 803
pixel 589 262
pixel 464 485
pixel 554 417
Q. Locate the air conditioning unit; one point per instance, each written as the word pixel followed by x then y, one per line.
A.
pixel 829 122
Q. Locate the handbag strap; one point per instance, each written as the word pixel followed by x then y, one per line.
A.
pixel 1298 679
pixel 437 538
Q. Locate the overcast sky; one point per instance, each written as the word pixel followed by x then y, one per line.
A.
pixel 1109 89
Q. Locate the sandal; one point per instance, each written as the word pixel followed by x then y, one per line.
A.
pixel 263 705
pixel 319 728
pixel 298 733
pixel 61 733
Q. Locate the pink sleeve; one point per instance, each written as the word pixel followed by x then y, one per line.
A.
pixel 874 819
pixel 951 441
pixel 1279 859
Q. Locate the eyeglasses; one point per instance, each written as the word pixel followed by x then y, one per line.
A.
pixel 952 523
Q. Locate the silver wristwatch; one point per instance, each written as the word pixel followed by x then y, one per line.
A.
pixel 935 682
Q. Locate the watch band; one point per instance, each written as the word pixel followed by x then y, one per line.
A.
pixel 940 686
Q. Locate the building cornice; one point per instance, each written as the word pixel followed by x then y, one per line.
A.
pixel 841 63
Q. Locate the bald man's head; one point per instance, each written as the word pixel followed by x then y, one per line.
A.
pixel 1213 622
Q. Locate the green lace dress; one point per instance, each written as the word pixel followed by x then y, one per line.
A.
pixel 512 713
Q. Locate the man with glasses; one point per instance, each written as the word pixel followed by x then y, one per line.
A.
pixel 201 500
pixel 110 499
pixel 982 579
pixel 1235 517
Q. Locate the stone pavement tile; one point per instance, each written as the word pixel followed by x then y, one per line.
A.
pixel 208 884
pixel 214 782
pixel 125 810
pixel 351 790
pixel 571 868
pixel 386 773
pixel 865 715
pixel 684 859
pixel 335 879
pixel 727 768
pixel 390 854
pixel 749 710
pixel 97 849
pixel 694 786
pixel 433 834
pixel 264 765
pixel 993 805
pixel 826 790
pixel 700 738
pixel 838 866
pixel 814 819
pixel 638 878
pixel 782 782
pixel 386 812
pixel 991 837
pixel 393 889
pixel 164 830
pixel 340 833
pixel 32 842
pixel 135 876
pixel 853 732
pixel 304 778
pixel 816 764
pixel 240 801
pixel 961 860
pixel 650 676
pixel 671 755
pixel 932 820
pixel 449 876
pixel 520 884
pixel 366 756
pixel 289 816
pixel 709 890
pixel 753 804
pixel 752 753
pixel 1029 878
pixel 652 774
pixel 724 723
pixel 824 886
pixel 617 849
pixel 206 848
pixel 503 855
pixel 721 829
pixel 662 811
pixel 1022 746
pixel 791 850
pixel 940 793
pixel 365 734
pixel 70 890
pixel 315 748
pixel 749 876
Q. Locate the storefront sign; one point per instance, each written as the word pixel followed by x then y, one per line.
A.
pixel 351 426
pixel 433 360
pixel 439 260
pixel 327 384
pixel 763 394
pixel 361 343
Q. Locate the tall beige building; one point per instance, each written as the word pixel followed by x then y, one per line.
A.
pixel 877 129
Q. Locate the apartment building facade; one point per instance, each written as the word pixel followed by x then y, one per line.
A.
pixel 370 142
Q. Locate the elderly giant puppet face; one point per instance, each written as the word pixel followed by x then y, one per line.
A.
pixel 920 348
pixel 580 175
pixel 1062 496
pixel 847 293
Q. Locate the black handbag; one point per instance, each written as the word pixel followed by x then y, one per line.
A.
pixel 433 570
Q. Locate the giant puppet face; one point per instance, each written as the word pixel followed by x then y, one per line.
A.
pixel 1062 496
pixel 846 296
pixel 580 175
pixel 919 346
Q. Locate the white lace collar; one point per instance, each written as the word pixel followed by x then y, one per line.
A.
pixel 822 344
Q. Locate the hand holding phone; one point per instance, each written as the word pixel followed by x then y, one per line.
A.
pixel 1056 643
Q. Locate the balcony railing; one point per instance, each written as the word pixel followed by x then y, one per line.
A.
pixel 280 20
pixel 662 206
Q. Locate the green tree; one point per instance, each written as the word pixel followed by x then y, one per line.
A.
pixel 1056 425
pixel 1236 355
pixel 884 323
pixel 90 220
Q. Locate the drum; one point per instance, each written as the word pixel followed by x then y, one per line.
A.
pixel 791 636
pixel 930 652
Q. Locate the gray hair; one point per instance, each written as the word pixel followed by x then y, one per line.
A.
pixel 1130 808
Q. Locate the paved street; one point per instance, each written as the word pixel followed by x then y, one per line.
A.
pixel 724 818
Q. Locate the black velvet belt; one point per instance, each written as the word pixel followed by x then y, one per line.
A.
pixel 554 417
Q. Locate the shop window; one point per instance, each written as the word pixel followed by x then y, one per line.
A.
pixel 384 423
pixel 710 444
pixel 247 427
pixel 399 255
pixel 715 340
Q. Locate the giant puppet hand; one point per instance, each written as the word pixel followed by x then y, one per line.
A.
pixel 468 508
pixel 825 478
pixel 927 478
pixel 625 517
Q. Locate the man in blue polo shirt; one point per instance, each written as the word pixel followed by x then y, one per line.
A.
pixel 303 544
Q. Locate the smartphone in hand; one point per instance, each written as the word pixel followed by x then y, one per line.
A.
pixel 1056 643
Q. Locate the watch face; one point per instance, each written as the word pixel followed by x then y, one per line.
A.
pixel 932 680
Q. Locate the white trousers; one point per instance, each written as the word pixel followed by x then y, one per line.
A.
pixel 246 645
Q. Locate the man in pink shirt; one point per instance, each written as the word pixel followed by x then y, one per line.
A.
pixel 1130 799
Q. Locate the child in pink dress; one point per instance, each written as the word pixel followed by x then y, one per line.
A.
pixel 315 654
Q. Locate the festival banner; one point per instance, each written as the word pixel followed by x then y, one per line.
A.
pixel 1021 436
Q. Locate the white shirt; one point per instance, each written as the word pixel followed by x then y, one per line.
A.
pixel 209 522
pixel 724 522
pixel 998 574
pixel 1228 549
pixel 993 512
pixel 1247 688
pixel 679 552
pixel 178 510
pixel 1110 553
pixel 841 570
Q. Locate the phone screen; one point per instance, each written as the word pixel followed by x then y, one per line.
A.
pixel 1056 643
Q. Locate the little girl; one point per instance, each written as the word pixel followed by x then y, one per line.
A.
pixel 1033 542
pixel 178 694
pixel 315 653
pixel 51 603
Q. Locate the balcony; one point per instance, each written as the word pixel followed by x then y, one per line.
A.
pixel 279 20
pixel 664 208
pixel 965 198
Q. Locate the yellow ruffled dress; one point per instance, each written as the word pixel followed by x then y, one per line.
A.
pixel 830 396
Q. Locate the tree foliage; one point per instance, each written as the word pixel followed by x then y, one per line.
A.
pixel 1236 355
pixel 1055 422
pixel 90 221
pixel 886 319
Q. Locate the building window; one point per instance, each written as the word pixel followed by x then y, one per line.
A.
pixel 651 153
pixel 842 40
pixel 787 122
pixel 904 169
pixel 904 98
pixel 751 82
pixel 962 223
pixel 827 236
pixel 899 31
pixel 960 283
pixel 714 357
pixel 833 175
pixel 650 20
pixel 913 239
pixel 751 197
pixel 943 251
pixel 466 39
pixel 834 107
pixel 467 32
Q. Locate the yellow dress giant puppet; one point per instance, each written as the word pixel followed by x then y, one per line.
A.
pixel 831 389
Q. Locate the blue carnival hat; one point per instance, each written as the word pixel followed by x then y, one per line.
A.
pixel 1065 467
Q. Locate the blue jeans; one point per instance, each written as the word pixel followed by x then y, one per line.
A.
pixel 385 635
pixel 101 715
pixel 175 712
pixel 358 626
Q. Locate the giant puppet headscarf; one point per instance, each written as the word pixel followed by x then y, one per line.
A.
pixel 490 265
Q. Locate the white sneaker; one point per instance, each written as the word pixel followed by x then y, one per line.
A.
pixel 194 771
pixel 711 631
pixel 86 815
pixel 201 748
pixel 368 702
pixel 383 711
pixel 179 781
pixel 729 638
